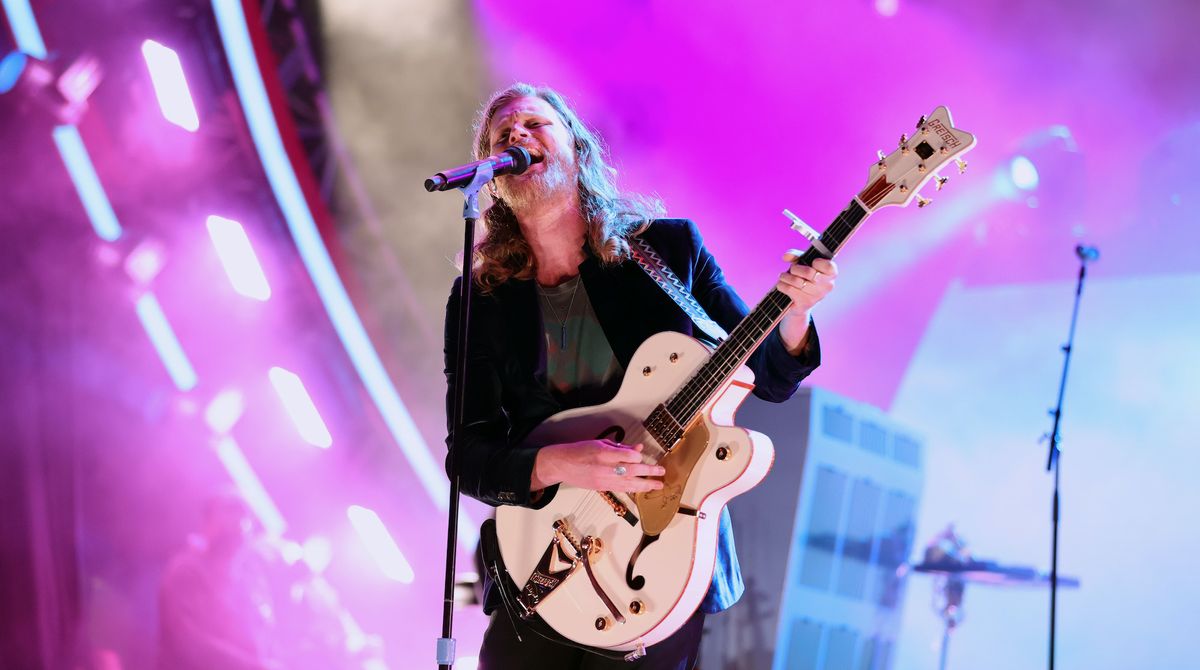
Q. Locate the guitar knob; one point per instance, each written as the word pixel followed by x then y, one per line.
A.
pixel 601 623
pixel 637 607
pixel 646 371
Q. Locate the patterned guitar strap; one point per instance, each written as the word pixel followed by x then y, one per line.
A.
pixel 653 264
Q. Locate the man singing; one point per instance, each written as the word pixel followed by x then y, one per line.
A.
pixel 559 309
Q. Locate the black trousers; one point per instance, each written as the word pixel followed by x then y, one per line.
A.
pixel 502 650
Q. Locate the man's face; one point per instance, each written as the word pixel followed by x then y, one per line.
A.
pixel 531 123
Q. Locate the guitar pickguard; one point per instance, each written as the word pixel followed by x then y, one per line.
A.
pixel 659 507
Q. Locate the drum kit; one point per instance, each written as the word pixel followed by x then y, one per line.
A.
pixel 948 560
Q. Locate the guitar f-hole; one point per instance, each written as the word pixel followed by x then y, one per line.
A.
pixel 614 433
pixel 638 582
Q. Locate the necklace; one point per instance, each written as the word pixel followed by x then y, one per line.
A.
pixel 562 321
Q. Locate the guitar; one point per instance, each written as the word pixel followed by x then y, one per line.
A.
pixel 621 572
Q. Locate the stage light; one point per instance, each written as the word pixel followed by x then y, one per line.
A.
pixel 170 85
pixel 380 544
pixel 37 85
pixel 250 487
pixel 25 28
pixel 318 552
pixel 165 343
pixel 224 411
pixel 87 183
pixel 300 408
pixel 145 261
pixel 256 105
pixel 1023 173
pixel 238 259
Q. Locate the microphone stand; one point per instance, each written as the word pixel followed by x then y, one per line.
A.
pixel 1055 456
pixel 483 174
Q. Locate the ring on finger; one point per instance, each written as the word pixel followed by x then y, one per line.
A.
pixel 620 471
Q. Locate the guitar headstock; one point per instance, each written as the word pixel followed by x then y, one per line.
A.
pixel 897 177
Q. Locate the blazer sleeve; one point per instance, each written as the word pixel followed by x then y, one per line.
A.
pixel 777 374
pixel 491 468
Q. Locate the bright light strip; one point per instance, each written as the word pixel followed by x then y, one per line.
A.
pixel 257 107
pixel 170 86
pixel 300 408
pixel 25 28
pixel 380 544
pixel 238 259
pixel 250 487
pixel 165 342
pixel 1023 173
pixel 224 411
pixel 87 183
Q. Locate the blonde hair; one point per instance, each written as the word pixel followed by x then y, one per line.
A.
pixel 612 217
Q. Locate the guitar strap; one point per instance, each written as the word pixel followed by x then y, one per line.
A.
pixel 653 264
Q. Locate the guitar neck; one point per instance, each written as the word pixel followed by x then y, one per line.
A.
pixel 745 338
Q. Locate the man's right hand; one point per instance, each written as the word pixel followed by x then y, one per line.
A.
pixel 595 464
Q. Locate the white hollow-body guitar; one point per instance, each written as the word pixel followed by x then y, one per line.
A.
pixel 622 572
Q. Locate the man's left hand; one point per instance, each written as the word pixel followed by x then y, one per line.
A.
pixel 806 286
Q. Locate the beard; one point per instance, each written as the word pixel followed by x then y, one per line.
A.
pixel 520 193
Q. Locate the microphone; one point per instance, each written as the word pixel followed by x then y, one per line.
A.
pixel 513 160
pixel 1087 254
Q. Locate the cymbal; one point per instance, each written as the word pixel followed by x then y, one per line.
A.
pixel 991 572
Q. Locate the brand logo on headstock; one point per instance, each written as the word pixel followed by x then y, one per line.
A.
pixel 944 133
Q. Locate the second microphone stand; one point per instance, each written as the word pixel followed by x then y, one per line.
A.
pixel 1054 459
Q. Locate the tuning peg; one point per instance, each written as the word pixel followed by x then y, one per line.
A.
pixel 962 165
pixel 921 202
pixel 921 123
pixel 941 181
pixel 880 154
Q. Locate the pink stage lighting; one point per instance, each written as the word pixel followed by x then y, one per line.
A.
pixel 300 408
pixel 238 259
pixel 380 544
pixel 170 86
pixel 224 411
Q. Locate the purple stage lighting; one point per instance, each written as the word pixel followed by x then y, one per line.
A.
pixel 250 486
pixel 145 261
pixel 300 408
pixel 170 86
pixel 224 411
pixel 380 544
pixel 162 336
pixel 238 259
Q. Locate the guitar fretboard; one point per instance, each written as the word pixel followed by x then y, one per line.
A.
pixel 745 338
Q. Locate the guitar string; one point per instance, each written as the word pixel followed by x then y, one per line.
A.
pixel 698 390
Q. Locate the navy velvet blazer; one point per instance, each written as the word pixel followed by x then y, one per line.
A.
pixel 507 393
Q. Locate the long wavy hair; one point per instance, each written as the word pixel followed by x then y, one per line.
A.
pixel 612 217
